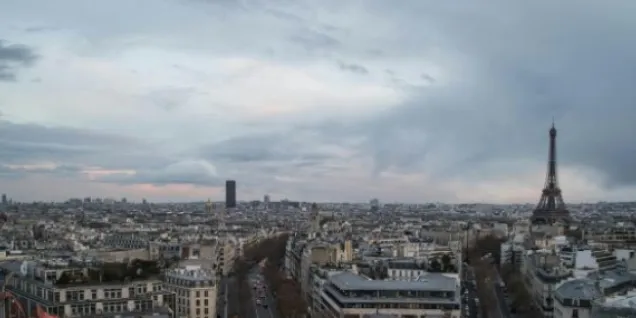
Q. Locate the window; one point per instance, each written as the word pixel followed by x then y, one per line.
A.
pixel 117 306
pixel 112 293
pixel 205 293
pixel 74 295
pixel 84 309
pixel 198 294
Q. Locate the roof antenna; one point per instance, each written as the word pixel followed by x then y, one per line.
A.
pixel 552 121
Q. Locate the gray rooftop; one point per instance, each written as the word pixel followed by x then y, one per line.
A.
pixel 582 289
pixel 429 282
pixel 613 278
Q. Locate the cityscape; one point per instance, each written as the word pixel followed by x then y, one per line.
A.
pixel 317 159
pixel 94 257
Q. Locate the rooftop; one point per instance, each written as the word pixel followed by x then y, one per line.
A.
pixel 71 274
pixel 429 282
pixel 582 289
pixel 193 273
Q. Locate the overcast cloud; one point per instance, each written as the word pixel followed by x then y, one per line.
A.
pixel 411 101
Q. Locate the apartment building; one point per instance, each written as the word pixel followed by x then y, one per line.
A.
pixel 126 241
pixel 89 289
pixel 512 251
pixel 618 234
pixel 608 294
pixel 542 272
pixel 195 289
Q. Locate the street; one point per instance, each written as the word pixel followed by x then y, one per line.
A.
pixel 501 298
pixel 228 302
pixel 267 306
pixel 469 294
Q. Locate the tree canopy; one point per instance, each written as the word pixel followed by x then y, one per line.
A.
pixel 289 301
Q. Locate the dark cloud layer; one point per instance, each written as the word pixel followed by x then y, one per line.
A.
pixel 186 172
pixel 12 58
pixel 354 68
pixel 282 148
pixel 72 150
pixel 36 149
pixel 517 74
pixel 34 144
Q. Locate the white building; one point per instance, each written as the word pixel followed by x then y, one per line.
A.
pixel 512 251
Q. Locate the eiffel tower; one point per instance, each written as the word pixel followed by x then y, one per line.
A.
pixel 551 208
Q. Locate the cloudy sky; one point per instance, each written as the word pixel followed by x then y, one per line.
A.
pixel 322 100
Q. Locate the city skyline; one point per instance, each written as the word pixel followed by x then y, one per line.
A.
pixel 316 101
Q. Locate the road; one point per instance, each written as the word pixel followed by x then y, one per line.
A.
pixel 222 298
pixel 501 309
pixel 504 310
pixel 229 304
pixel 469 294
pixel 267 308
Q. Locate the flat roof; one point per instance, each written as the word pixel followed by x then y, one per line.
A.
pixel 330 292
pixel 428 282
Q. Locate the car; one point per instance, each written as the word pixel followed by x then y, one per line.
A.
pixel 258 301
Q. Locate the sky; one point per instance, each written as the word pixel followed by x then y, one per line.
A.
pixel 317 100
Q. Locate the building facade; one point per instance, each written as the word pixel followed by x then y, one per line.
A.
pixel 195 289
pixel 71 290
pixel 230 194
pixel 352 296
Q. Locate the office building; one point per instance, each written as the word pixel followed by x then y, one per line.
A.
pixel 349 295
pixel 230 194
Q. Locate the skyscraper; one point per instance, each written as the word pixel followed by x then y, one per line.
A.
pixel 4 199
pixel 230 194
